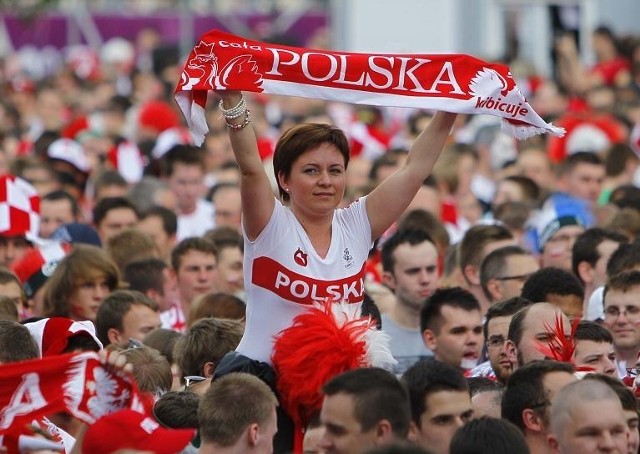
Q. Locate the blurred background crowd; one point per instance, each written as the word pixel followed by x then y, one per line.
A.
pixel 87 117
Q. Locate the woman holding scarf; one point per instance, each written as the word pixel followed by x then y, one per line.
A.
pixel 302 249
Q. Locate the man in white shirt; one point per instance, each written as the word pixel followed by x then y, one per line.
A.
pixel 194 262
pixel 185 176
pixel 591 252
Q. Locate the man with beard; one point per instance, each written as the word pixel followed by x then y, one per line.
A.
pixel 530 331
pixel 410 269
pixel 496 331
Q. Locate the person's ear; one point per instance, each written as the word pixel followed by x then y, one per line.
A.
pixel 552 442
pixel 208 369
pixel 384 432
pixel 429 339
pixel 512 352
pixel 532 421
pixel 495 289
pixel 282 181
pixel 389 279
pixel 253 434
pixel 114 336
pixel 471 274
pixel 585 272
pixel 152 294
pixel 414 432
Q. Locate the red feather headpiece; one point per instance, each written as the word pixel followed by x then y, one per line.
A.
pixel 559 347
pixel 317 347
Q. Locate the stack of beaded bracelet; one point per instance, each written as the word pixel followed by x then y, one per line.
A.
pixel 236 112
pixel 239 126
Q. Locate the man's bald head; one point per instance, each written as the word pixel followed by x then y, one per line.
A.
pixel 530 328
pixel 587 406
pixel 568 397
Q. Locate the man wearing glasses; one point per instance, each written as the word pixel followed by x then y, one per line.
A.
pixel 496 330
pixel 504 271
pixel 622 317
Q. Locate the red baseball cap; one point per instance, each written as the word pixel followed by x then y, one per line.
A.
pixel 128 429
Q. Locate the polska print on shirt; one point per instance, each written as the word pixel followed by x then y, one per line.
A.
pixel 291 286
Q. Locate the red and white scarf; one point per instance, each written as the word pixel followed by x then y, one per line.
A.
pixel 75 383
pixel 449 82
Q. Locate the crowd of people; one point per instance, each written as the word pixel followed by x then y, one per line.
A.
pixel 326 278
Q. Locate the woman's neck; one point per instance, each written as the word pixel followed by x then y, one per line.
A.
pixel 318 230
pixel 313 225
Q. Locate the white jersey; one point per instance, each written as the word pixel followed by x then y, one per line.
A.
pixel 174 319
pixel 196 223
pixel 284 275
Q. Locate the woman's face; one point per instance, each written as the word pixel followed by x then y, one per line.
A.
pixel 317 180
pixel 85 300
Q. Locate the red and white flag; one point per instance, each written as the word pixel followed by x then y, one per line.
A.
pixel 449 82
pixel 75 383
pixel 19 207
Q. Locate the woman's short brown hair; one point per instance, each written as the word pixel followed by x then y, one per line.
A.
pixel 83 263
pixel 300 139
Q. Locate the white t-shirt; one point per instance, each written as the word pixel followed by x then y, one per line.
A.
pixel 173 319
pixel 595 308
pixel 196 223
pixel 284 275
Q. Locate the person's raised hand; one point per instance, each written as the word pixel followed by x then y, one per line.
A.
pixel 230 98
pixel 114 361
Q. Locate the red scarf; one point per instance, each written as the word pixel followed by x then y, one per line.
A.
pixel 75 383
pixel 450 82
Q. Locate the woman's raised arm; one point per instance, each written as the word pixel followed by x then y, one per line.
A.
pixel 387 202
pixel 257 195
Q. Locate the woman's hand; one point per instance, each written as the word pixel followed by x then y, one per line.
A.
pixel 230 98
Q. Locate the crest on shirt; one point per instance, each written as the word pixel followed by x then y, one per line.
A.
pixel 348 258
pixel 300 257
